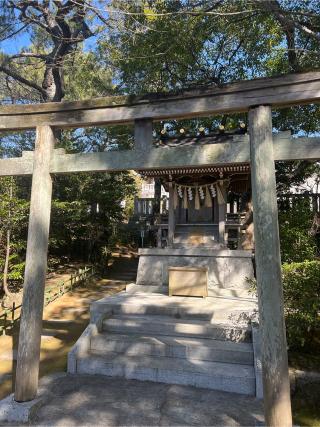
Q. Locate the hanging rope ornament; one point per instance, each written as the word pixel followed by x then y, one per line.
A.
pixel 197 200
pixel 185 200
pixel 213 190
pixel 201 192
pixel 208 200
pixel 204 192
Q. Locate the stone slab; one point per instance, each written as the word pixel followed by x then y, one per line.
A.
pixel 165 325
pixel 82 400
pixel 171 346
pixel 224 310
pixel 226 268
pixel 23 412
pixel 14 412
pixel 229 377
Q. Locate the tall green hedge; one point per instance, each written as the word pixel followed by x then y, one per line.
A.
pixel 301 290
pixel 296 243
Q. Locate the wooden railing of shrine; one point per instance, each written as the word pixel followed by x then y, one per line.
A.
pixel 286 201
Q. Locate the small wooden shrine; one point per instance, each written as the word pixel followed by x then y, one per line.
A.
pixel 207 205
pixel 205 219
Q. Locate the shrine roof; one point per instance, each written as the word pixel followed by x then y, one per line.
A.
pixel 211 138
pixel 243 168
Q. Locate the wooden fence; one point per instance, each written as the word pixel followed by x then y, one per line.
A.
pixel 288 201
pixel 12 315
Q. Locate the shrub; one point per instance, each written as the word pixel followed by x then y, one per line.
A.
pixel 296 243
pixel 301 291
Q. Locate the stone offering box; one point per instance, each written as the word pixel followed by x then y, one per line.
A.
pixel 188 281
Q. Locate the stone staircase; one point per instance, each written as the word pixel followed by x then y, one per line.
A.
pixel 152 337
pixel 124 268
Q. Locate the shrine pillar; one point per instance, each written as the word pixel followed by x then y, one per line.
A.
pixel 171 217
pixel 222 211
pixel 276 385
pixel 27 372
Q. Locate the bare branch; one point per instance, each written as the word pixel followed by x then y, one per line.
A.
pixel 15 32
pixel 27 55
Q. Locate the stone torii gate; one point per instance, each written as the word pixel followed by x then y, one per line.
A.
pixel 261 149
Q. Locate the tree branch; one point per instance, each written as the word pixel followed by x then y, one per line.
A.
pixel 22 80
pixel 28 55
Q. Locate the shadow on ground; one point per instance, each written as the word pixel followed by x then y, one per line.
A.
pixel 64 321
pixel 96 400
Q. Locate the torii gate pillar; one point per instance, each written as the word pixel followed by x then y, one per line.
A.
pixel 27 372
pixel 276 385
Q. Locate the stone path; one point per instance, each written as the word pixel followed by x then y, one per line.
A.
pixel 81 400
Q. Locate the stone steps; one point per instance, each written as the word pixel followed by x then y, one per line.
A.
pixel 218 310
pixel 172 346
pixel 175 340
pixel 211 375
pixel 166 325
pixel 218 315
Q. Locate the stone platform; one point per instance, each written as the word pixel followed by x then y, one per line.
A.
pixel 83 400
pixel 175 340
pixel 226 268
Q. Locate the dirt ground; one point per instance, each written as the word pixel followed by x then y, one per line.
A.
pixel 64 321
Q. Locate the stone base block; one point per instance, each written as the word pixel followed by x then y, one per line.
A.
pixel 23 412
pixel 14 412
pixel 226 268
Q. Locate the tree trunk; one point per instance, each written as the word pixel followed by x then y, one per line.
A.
pixel 53 82
pixel 6 265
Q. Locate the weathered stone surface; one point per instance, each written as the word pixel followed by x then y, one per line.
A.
pixel 79 400
pixel 22 412
pixel 211 375
pixel 256 342
pixel 14 412
pixel 172 346
pixel 226 268
pixel 224 310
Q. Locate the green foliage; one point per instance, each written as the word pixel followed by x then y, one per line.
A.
pixel 301 289
pixel 16 265
pixel 294 174
pixel 85 209
pixel 13 219
pixel 301 294
pixel 85 77
pixel 296 243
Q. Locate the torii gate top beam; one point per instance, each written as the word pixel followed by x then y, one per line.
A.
pixel 292 89
pixel 236 150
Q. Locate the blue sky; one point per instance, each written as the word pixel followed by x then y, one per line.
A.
pixel 22 41
pixel 15 44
